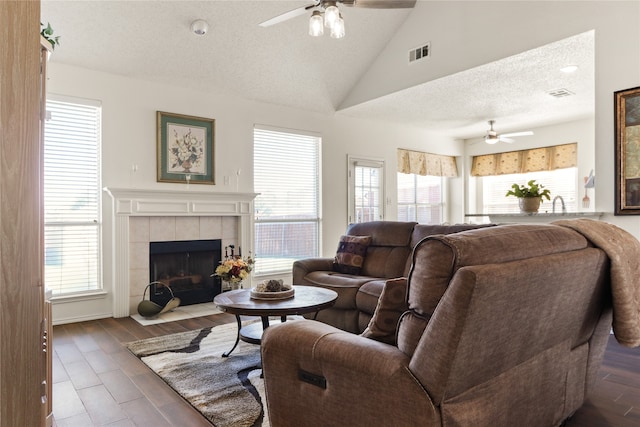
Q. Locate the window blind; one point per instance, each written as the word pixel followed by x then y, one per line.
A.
pixel 72 197
pixel 287 209
pixel 560 182
pixel 420 198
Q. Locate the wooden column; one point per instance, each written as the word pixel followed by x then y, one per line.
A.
pixel 22 360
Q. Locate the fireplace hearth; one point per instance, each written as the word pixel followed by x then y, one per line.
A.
pixel 185 267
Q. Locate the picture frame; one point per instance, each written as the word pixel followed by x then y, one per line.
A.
pixel 185 148
pixel 627 151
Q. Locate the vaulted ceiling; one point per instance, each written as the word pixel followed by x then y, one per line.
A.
pixel 283 65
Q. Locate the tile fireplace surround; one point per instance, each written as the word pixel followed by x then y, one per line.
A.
pixel 142 216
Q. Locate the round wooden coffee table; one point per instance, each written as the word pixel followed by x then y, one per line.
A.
pixel 306 299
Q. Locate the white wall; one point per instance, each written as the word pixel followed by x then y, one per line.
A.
pixel 129 138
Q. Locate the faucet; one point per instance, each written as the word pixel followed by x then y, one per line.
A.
pixel 553 206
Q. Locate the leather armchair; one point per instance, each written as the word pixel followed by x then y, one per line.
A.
pixel 506 326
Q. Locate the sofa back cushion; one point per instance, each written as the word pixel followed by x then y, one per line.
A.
pixel 389 248
pixel 436 260
pixel 421 231
pixel 506 324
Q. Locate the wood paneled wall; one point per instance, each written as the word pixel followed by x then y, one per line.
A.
pixel 22 366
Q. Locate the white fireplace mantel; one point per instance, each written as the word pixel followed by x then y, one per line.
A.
pixel 127 202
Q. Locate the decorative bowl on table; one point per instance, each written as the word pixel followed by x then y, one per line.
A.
pixel 272 290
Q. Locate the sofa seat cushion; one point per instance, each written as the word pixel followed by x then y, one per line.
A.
pixel 350 255
pixel 368 296
pixel 345 285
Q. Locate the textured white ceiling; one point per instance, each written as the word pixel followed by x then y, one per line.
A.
pixel 513 91
pixel 282 65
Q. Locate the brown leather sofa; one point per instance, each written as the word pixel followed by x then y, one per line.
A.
pixel 388 256
pixel 506 326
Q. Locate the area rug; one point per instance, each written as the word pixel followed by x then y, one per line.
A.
pixel 228 391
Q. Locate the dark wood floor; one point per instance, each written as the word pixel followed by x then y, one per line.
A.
pixel 98 382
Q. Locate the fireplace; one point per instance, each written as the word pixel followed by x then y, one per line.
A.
pixel 185 267
pixel 141 215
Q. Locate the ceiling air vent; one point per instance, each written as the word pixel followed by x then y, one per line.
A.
pixel 419 53
pixel 560 93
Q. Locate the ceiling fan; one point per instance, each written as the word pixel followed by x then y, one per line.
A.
pixel 492 136
pixel 372 4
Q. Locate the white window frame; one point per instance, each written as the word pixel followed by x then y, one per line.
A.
pixel 354 162
pixel 58 290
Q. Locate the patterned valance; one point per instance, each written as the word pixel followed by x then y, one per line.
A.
pixel 534 160
pixel 420 163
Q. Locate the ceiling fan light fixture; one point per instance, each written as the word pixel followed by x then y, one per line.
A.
pixel 316 27
pixel 491 139
pixel 337 31
pixel 331 15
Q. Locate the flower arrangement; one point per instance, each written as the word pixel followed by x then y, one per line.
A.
pixel 234 268
pixel 186 151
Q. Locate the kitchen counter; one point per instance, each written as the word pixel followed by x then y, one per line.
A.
pixel 535 217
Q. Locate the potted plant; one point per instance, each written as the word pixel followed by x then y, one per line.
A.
pixel 47 34
pixel 530 195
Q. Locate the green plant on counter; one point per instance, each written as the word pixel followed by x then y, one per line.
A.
pixel 531 189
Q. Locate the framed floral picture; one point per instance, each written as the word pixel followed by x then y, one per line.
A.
pixel 185 148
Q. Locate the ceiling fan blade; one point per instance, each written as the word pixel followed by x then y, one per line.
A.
pixel 508 140
pixel 288 15
pixel 525 133
pixel 380 4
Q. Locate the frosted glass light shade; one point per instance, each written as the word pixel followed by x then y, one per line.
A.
pixel 331 16
pixel 337 31
pixel 316 28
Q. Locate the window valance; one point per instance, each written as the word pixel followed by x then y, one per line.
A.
pixel 420 163
pixel 534 160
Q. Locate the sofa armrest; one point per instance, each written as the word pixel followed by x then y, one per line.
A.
pixel 304 266
pixel 316 374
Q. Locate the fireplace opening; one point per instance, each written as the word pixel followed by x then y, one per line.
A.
pixel 186 267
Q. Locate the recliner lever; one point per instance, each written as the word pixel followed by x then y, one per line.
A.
pixel 313 379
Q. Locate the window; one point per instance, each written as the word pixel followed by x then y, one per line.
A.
pixel 560 182
pixel 366 190
pixel 72 197
pixel 287 209
pixel 420 198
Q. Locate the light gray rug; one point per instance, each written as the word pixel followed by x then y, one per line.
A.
pixel 228 391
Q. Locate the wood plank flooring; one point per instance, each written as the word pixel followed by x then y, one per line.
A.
pixel 98 382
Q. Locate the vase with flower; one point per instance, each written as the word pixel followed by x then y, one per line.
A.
pixel 233 269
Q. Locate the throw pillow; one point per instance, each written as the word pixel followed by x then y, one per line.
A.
pixel 392 303
pixel 350 255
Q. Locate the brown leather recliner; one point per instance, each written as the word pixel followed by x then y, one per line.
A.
pixel 506 326
pixel 388 256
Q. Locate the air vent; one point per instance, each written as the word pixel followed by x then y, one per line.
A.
pixel 560 93
pixel 419 53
